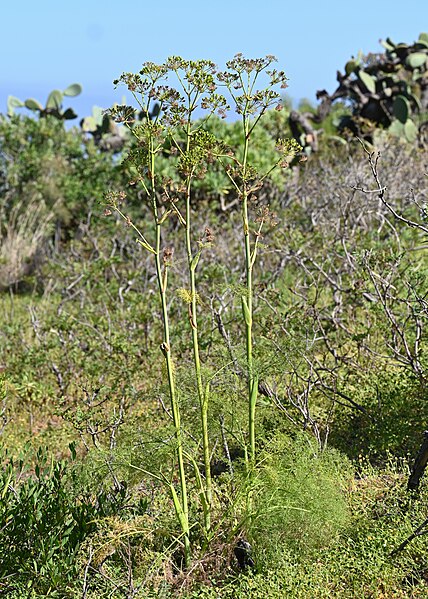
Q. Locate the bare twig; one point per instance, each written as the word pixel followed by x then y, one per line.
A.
pixel 418 532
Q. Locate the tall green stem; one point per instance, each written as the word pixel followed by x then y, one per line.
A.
pixel 248 308
pixel 202 396
pixel 162 273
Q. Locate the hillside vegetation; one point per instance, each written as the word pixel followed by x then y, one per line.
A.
pixel 213 326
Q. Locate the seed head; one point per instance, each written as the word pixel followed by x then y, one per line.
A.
pixel 168 253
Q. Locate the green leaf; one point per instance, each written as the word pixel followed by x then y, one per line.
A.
pixel 416 59
pixel 368 80
pixel 338 139
pixel 199 483
pixel 401 108
pixel 12 103
pixel 54 99
pixel 97 114
pixel 164 216
pixel 194 262
pixel 410 131
pixel 246 311
pixel 7 482
pixel 396 128
pixel 423 37
pixel 73 90
pixel 32 104
pixel 350 66
pixel 179 509
pixel 72 448
pixel 146 246
pixel 88 124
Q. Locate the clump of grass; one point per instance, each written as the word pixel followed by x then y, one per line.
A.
pixel 22 235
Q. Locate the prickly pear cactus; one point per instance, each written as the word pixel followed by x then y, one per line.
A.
pixel 389 89
pixel 53 104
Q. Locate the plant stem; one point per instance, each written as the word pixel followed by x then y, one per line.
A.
pixel 202 396
pixel 252 390
pixel 161 274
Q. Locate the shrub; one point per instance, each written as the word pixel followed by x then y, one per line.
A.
pixel 42 162
pixel 299 499
pixel 43 521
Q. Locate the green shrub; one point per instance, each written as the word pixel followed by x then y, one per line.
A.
pixel 44 518
pixel 299 499
pixel 41 161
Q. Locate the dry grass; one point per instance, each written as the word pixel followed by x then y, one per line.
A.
pixel 22 236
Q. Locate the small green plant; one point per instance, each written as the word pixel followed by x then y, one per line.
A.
pixel 299 500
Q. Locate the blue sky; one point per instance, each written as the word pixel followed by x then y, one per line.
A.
pixel 49 44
